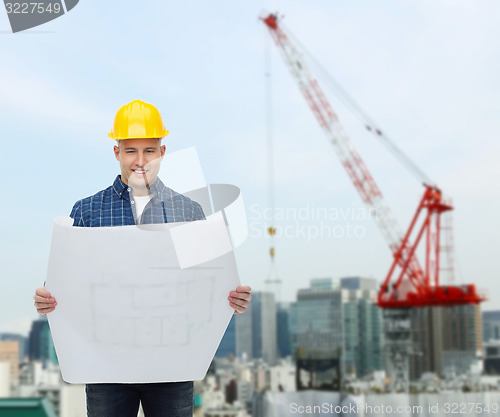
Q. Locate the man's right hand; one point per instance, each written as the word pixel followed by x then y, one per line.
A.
pixel 44 302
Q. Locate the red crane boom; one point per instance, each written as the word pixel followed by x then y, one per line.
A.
pixel 407 284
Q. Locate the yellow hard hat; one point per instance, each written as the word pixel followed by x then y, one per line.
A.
pixel 138 119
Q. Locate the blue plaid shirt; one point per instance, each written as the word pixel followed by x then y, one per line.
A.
pixel 115 206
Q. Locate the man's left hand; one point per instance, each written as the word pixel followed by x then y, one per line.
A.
pixel 240 298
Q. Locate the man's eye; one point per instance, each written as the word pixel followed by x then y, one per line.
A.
pixel 130 151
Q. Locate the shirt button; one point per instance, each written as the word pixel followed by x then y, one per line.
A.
pixel 132 202
pixel 128 189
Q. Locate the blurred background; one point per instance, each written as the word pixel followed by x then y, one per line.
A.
pixel 426 72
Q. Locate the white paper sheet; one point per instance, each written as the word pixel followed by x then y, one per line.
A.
pixel 199 242
pixel 182 170
pixel 226 200
pixel 126 310
pixel 216 198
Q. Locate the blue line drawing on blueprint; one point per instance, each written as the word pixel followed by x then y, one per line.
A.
pixel 153 315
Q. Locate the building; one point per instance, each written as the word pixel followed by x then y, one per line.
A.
pixel 363 326
pixel 492 357
pixel 9 352
pixel 263 312
pixel 5 380
pixel 445 338
pixel 38 373
pixel 282 377
pixel 26 407
pixel 245 392
pixel 316 319
pixel 23 343
pixel 256 329
pixel 42 379
pixel 338 319
pixel 227 345
pixel 359 283
pixel 243 337
pixel 491 325
pixel 41 346
pixel 283 337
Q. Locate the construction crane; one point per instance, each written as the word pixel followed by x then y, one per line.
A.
pixel 408 283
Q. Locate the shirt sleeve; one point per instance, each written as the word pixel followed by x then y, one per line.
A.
pixel 76 214
pixel 198 212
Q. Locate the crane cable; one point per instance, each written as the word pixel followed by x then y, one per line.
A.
pixel 271 230
pixel 334 86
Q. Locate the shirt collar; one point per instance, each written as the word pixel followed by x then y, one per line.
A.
pixel 157 188
pixel 122 189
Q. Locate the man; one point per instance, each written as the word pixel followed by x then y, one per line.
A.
pixel 137 196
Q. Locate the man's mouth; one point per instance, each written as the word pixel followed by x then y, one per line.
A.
pixel 139 171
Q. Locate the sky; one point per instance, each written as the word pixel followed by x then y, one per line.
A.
pixel 426 72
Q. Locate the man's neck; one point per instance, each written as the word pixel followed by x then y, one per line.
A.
pixel 141 192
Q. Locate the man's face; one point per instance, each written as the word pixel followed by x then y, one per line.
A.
pixel 139 162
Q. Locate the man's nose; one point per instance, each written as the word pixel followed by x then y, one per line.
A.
pixel 140 160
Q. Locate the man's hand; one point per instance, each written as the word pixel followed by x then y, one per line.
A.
pixel 240 298
pixel 44 302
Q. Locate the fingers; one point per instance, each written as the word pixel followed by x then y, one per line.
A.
pixel 39 299
pixel 44 302
pixel 242 293
pixel 45 305
pixel 44 308
pixel 44 311
pixel 240 299
pixel 42 292
pixel 239 305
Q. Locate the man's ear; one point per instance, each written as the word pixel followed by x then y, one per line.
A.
pixel 163 148
pixel 117 152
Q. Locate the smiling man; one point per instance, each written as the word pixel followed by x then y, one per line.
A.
pixel 140 162
pixel 138 196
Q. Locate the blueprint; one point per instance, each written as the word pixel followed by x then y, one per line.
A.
pixel 140 304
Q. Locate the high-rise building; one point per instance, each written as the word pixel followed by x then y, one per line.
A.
pixel 263 312
pixel 316 319
pixel 9 352
pixel 283 336
pixel 339 319
pixel 256 329
pixel 228 343
pixel 445 338
pixel 359 283
pixel 491 325
pixel 363 326
pixel 243 327
pixel 41 346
